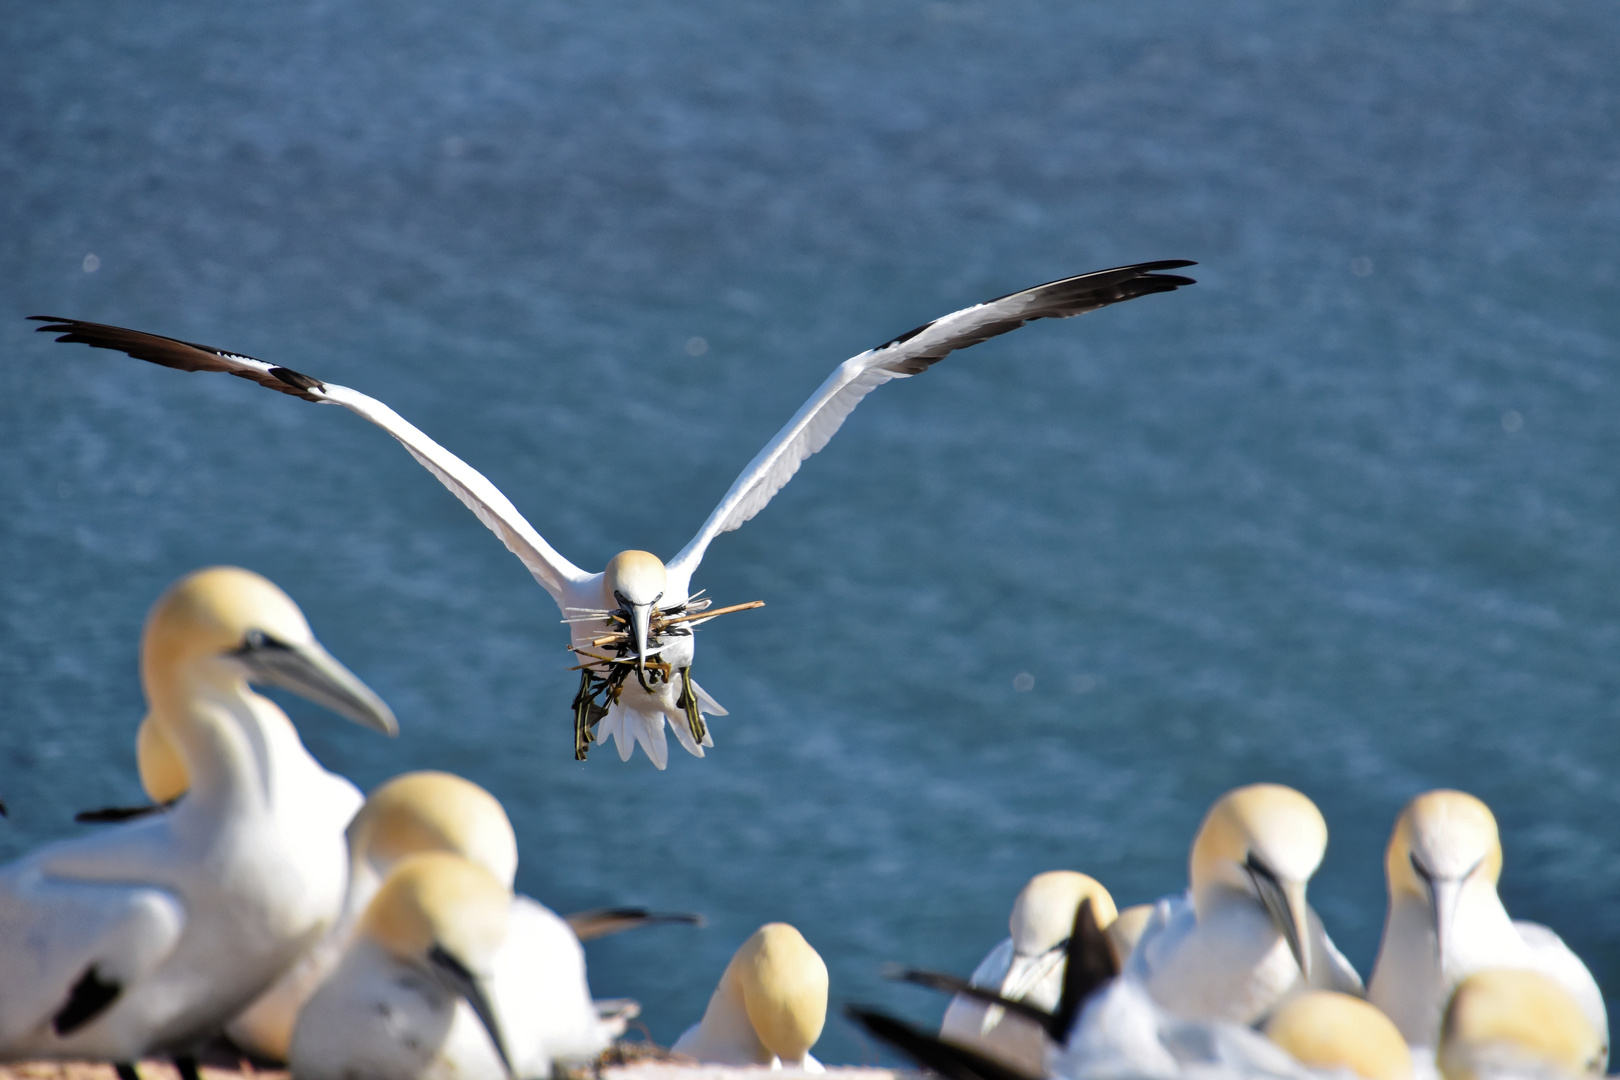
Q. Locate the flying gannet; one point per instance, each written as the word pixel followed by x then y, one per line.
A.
pixel 1027 966
pixel 632 623
pixel 145 938
pixel 769 1007
pixel 1330 1032
pixel 1517 1024
pixel 1445 920
pixel 1243 938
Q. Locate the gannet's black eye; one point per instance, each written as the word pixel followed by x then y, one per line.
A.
pixel 1421 870
pixel 1259 869
pixel 255 641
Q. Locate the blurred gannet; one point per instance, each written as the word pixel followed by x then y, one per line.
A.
pixel 410 814
pixel 1330 1032
pixel 1244 938
pixel 447 974
pixel 1105 1026
pixel 636 617
pixel 1028 966
pixel 145 938
pixel 769 1007
pixel 1445 920
pixel 1514 1022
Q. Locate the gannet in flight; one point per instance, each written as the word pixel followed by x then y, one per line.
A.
pixel 636 617
pixel 1445 920
pixel 1518 1024
pixel 145 938
pixel 1330 1032
pixel 1244 938
pixel 1027 966
pixel 769 1007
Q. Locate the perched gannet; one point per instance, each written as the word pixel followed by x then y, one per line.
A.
pixel 410 814
pixel 1105 1025
pixel 1445 920
pixel 1330 1032
pixel 1514 1022
pixel 1028 966
pixel 632 623
pixel 1244 938
pixel 769 1007
pixel 145 938
pixel 442 950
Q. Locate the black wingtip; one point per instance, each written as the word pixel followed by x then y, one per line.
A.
pixel 929 1051
pixel 1089 964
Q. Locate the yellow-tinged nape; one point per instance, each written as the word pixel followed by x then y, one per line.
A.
pixel 1043 914
pixel 1126 930
pixel 435 811
pixel 163 773
pixel 1328 1031
pixel 1451 835
pixel 439 899
pixel 1515 1020
pixel 784 989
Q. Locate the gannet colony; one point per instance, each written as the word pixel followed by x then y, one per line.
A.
pixel 261 902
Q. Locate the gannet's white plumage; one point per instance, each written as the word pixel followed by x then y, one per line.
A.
pixel 769 1007
pixel 410 814
pixel 1244 938
pixel 445 968
pixel 148 936
pixel 1445 920
pixel 1330 1032
pixel 1518 1024
pixel 1027 966
pixel 636 583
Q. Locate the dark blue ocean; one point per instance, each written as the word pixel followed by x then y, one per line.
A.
pixel 1344 515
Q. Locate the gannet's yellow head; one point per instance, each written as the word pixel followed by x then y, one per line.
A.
pixel 1444 843
pixel 1264 841
pixel 634 582
pixel 435 811
pixel 1126 930
pixel 783 983
pixel 163 773
pixel 1504 1022
pixel 1043 914
pixel 1330 1032
pixel 447 916
pixel 226 624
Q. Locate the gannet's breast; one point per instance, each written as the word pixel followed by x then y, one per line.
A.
pixel 1233 965
pixel 539 990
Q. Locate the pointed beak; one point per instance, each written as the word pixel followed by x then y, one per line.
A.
pixel 315 674
pixel 1285 903
pixel 1443 896
pixel 640 619
pixel 459 979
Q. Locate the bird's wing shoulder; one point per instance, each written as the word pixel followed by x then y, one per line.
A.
pixel 70 949
pixel 1330 969
pixel 495 510
pixel 910 354
pixel 1558 962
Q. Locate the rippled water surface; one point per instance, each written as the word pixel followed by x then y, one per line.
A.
pixel 1343 515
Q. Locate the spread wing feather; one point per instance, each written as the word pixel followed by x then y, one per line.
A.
pixel 910 354
pixel 495 510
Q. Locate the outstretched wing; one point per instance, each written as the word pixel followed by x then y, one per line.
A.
pixel 911 354
pixel 466 483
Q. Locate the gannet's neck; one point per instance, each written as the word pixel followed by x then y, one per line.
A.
pixel 725 1034
pixel 219 728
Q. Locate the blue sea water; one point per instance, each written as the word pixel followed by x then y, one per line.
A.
pixel 1344 515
